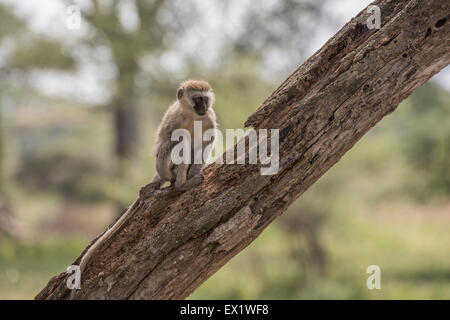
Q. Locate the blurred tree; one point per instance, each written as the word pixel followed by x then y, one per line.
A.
pixel 303 231
pixel 39 53
pixel 281 30
pixel 8 225
pixel 8 24
pixel 131 30
pixel 134 30
pixel 23 52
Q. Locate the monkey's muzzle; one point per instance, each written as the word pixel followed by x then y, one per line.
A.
pixel 201 108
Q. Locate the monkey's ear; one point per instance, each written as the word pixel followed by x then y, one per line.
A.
pixel 180 94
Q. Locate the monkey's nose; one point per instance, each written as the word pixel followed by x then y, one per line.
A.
pixel 201 110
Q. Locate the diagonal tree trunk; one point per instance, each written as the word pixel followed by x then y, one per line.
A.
pixel 174 242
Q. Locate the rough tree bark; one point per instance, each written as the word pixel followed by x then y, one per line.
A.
pixel 174 242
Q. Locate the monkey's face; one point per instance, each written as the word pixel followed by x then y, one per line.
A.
pixel 196 101
pixel 200 104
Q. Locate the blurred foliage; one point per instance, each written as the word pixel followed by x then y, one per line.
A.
pixel 281 27
pixel 29 52
pixel 9 23
pixel 426 132
pixel 8 226
pixel 58 173
pixel 41 54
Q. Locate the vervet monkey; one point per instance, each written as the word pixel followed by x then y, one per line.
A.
pixel 195 101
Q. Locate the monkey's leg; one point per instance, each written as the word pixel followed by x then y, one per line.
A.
pixel 181 172
pixel 195 170
pixel 183 184
pixel 194 181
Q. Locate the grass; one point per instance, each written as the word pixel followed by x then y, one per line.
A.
pixel 26 267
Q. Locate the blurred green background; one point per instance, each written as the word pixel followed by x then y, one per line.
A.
pixel 78 112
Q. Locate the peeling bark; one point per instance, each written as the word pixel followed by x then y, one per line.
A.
pixel 174 242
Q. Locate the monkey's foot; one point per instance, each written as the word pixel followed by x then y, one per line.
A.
pixel 197 179
pixel 150 188
pixel 192 182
